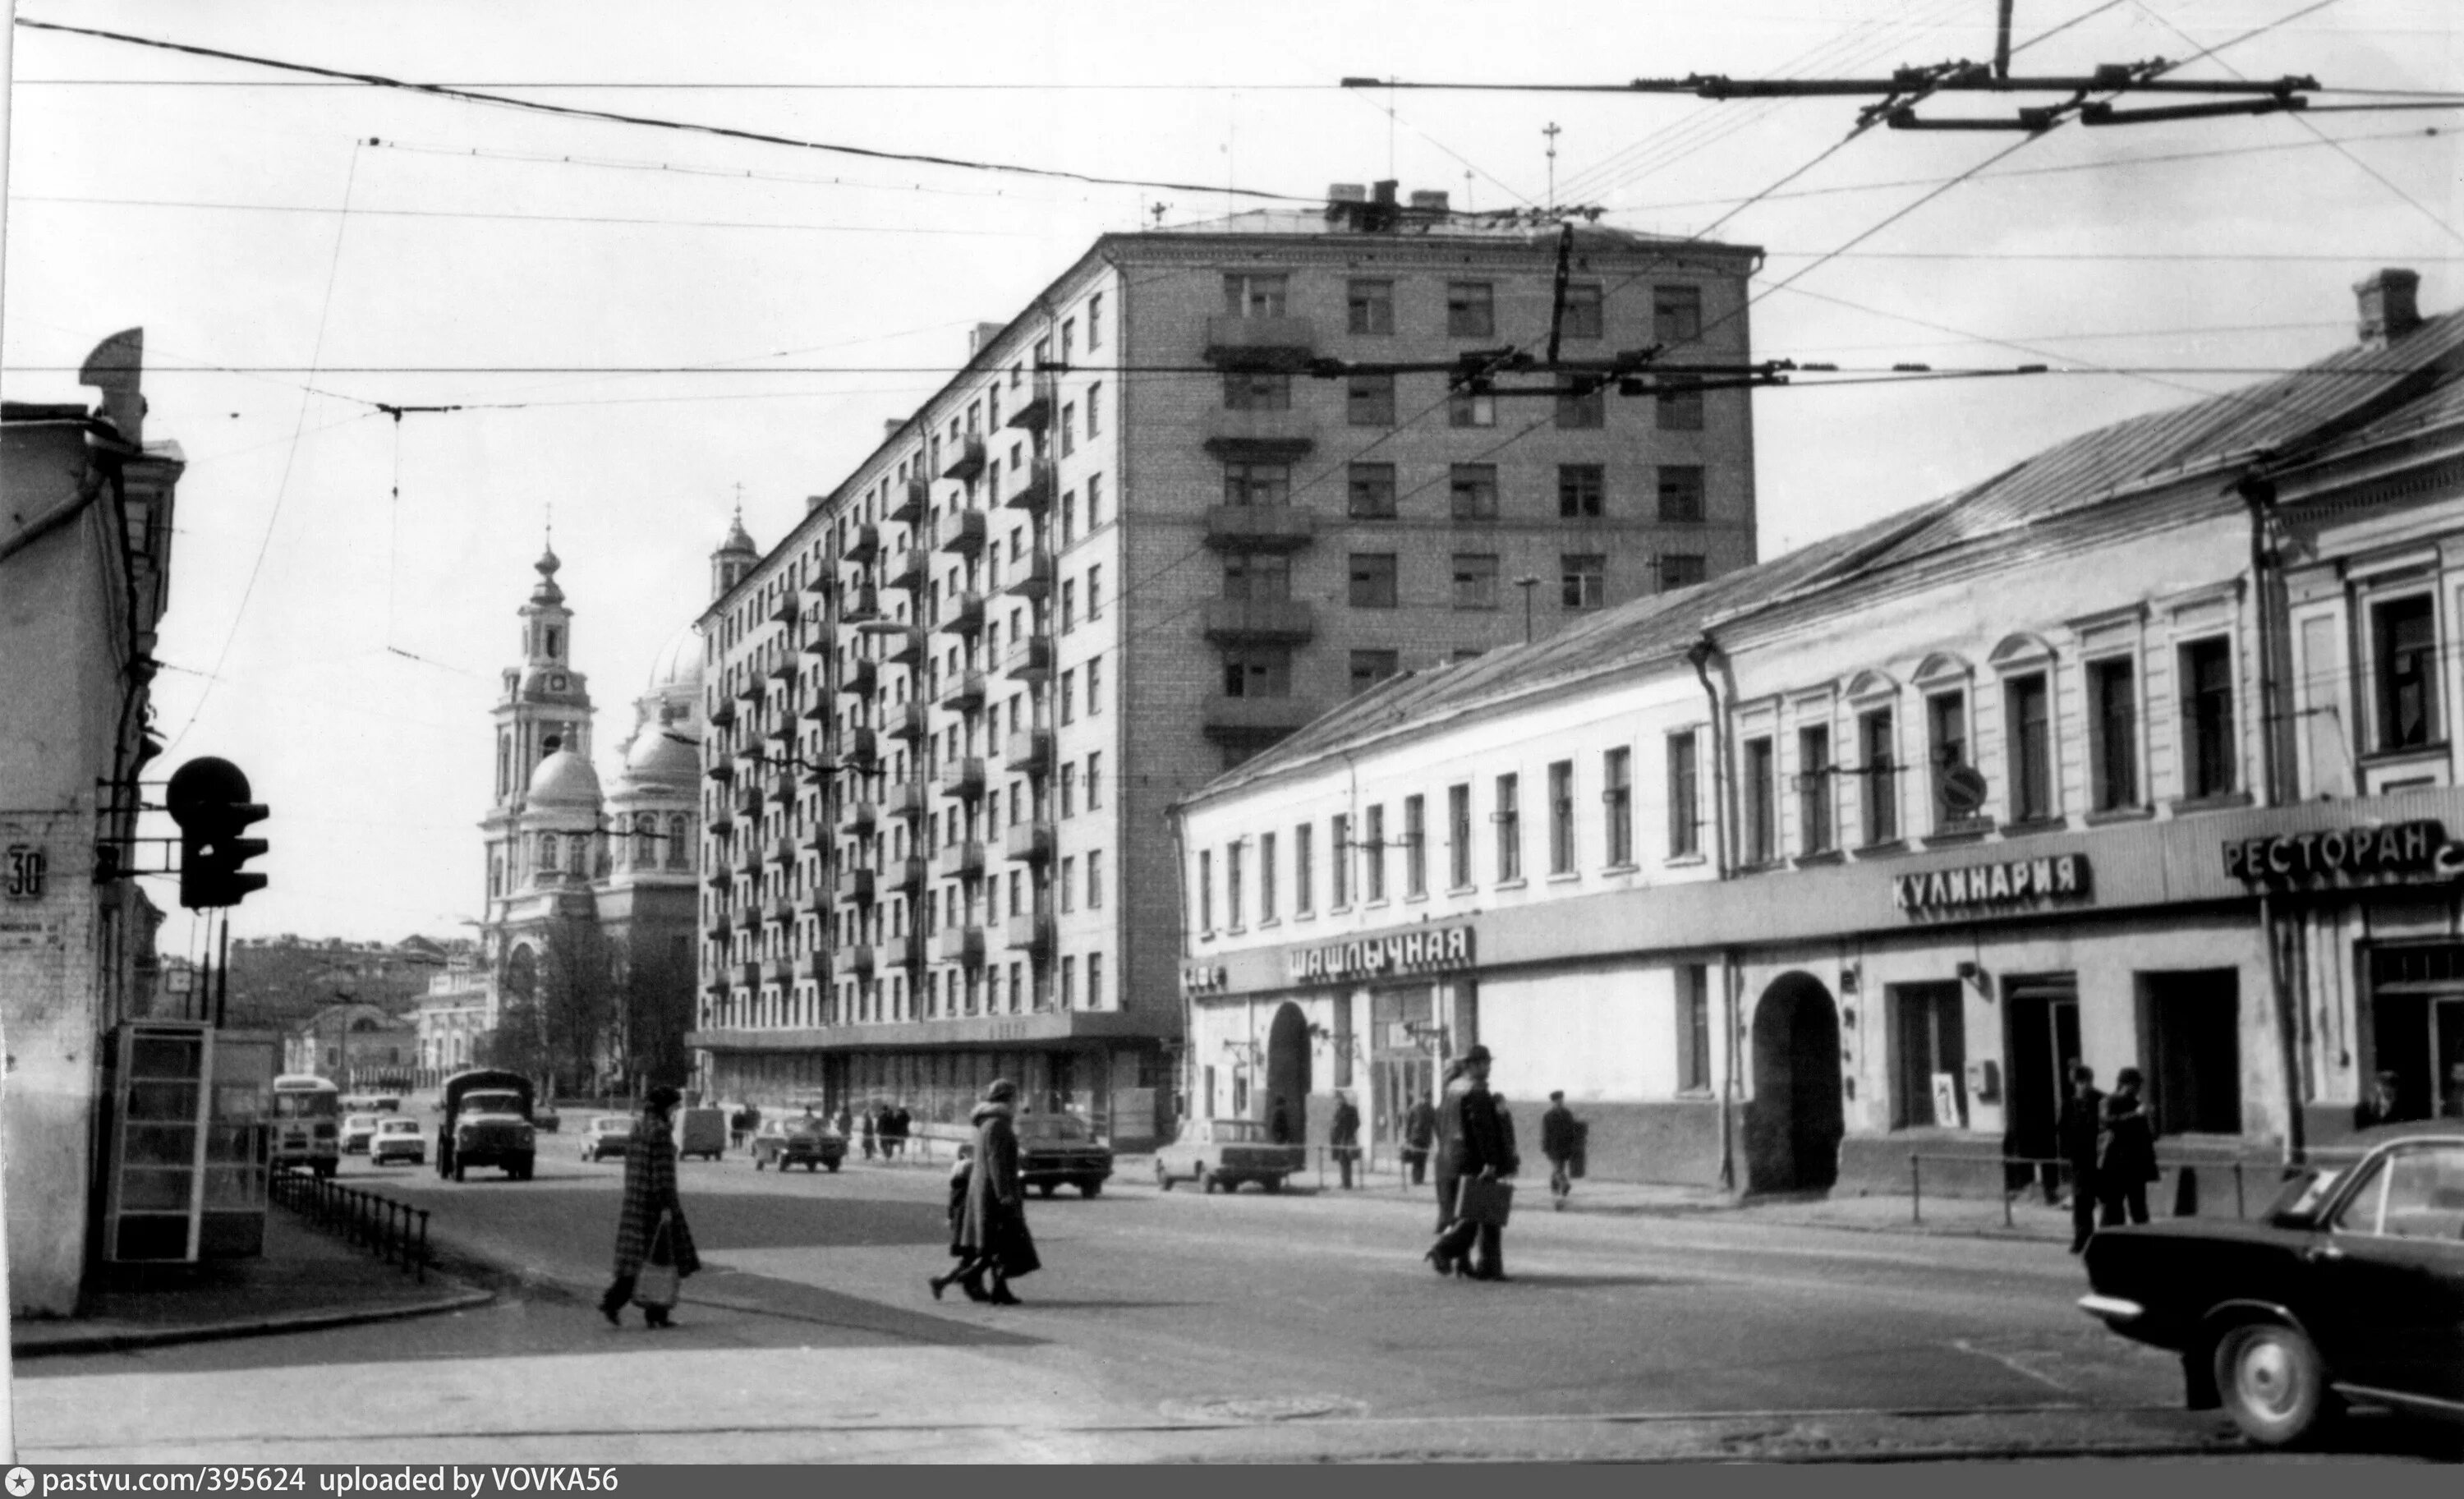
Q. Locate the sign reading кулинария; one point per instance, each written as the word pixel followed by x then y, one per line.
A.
pixel 2004 880
pixel 1404 952
pixel 2415 847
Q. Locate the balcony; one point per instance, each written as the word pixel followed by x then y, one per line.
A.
pixel 858 747
pixel 748 802
pixel 1255 721
pixel 721 770
pixel 1030 660
pixel 719 924
pixel 959 861
pixel 902 798
pixel 907 874
pixel 859 814
pixel 780 913
pixel 822 840
pixel 856 886
pixel 962 776
pixel 784 670
pixel 748 975
pixel 820 586
pixel 748 916
pixel 778 971
pixel 904 644
pixel 782 851
pixel 864 544
pixel 1037 413
pixel 907 502
pixel 1031 933
pixel 816 646
pixel 749 691
pixel 963 945
pixel 813 968
pixel 857 958
pixel 1033 580
pixel 1035 495
pixel 961 531
pixel 720 820
pixel 1240 620
pixel 964 459
pixel 963 613
pixel 862 675
pixel 1031 842
pixel 720 878
pixel 902 722
pixel 1029 750
pixel 1261 528
pixel 724 714
pixel 907 570
pixel 1283 344
pixel 789 608
pixel 1260 434
pixel 965 691
pixel 818 709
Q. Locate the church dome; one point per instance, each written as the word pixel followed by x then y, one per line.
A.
pixel 654 758
pixel 565 779
pixel 677 666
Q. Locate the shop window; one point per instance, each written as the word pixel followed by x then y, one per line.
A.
pixel 1928 1028
pixel 2404 649
pixel 1813 789
pixel 2206 718
pixel 2191 1034
pixel 2113 720
pixel 1693 1028
pixel 2027 710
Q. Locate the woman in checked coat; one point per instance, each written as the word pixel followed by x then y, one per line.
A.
pixel 992 1237
pixel 649 1190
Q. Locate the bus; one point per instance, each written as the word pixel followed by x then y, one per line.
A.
pixel 307 1122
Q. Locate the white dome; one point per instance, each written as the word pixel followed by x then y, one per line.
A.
pixel 653 758
pixel 565 779
pixel 677 666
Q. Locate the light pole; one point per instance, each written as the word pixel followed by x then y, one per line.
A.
pixel 1527 585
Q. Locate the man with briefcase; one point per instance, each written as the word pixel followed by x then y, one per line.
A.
pixel 1483 1156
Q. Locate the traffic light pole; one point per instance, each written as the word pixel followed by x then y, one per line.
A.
pixel 222 975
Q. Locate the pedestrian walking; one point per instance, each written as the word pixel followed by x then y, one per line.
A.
pixel 2128 1159
pixel 872 1128
pixel 651 1223
pixel 901 1122
pixel 1419 1129
pixel 2078 1132
pixel 1482 1149
pixel 961 1175
pixel 1557 1133
pixel 1443 1130
pixel 1343 1136
pixel 843 1121
pixel 992 1228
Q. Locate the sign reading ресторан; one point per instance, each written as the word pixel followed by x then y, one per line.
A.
pixel 2417 849
pixel 2000 882
pixel 1425 950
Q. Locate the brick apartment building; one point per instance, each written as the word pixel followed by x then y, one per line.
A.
pixel 1131 542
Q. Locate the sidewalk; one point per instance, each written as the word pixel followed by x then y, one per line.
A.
pixel 304 1280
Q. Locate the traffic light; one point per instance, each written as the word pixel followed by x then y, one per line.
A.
pixel 209 799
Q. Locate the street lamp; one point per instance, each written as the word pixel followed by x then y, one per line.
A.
pixel 1527 585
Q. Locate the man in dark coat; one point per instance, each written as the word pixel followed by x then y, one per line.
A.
pixel 1447 1120
pixel 1343 1135
pixel 649 1195
pixel 2129 1161
pixel 903 1125
pixel 2078 1132
pixel 1557 1143
pixel 1419 1132
pixel 1482 1147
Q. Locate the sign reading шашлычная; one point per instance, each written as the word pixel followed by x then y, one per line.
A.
pixel 2058 876
pixel 1431 951
pixel 2418 849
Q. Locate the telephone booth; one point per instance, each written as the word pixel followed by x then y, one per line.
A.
pixel 184 1173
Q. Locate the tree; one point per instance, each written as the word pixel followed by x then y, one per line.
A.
pixel 658 1000
pixel 560 1011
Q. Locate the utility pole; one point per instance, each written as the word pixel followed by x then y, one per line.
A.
pixel 1552 132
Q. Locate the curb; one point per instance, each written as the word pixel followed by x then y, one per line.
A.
pixel 121 1339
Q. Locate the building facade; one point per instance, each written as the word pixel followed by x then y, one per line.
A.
pixel 85 558
pixel 2138 754
pixel 361 1048
pixel 1131 542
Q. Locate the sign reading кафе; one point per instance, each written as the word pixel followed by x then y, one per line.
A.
pixel 2394 850
pixel 1431 950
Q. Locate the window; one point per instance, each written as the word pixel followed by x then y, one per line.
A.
pixel 1947 749
pixel 1685 798
pixel 1247 295
pixel 1583 408
pixel 1369 307
pixel 1583 310
pixel 2208 717
pixel 1561 816
pixel 1582 491
pixel 1762 820
pixel 1416 847
pixel 1095 503
pixel 1094 415
pixel 1471 409
pixel 1617 804
pixel 1094 686
pixel 1257 672
pixel 1069 604
pixel 1265 878
pixel 1069 983
pixel 1475 580
pixel 1508 817
pixel 1681 409
pixel 1459 836
pixel 1338 839
pixel 1069 696
pixel 1257 484
pixel 1369 400
pixel 1813 789
pixel 1070 789
pixel 1232 883
pixel 1205 890
pixel 1249 390
pixel 1257 577
pixel 1373 581
pixel 1094 980
pixel 1095 321
pixel 2404 652
pixel 1693 1027
pixel 1680 492
pixel 1681 570
pixel 2027 714
pixel 1929 1034
pixel 1881 770
pixel 1068 339
pixel 1096 591
pixel 1372 883
pixel 1069 428
pixel 1471 491
pixel 2113 723
pixel 1583 580
pixel 1069 517
pixel 1304 869
pixel 1371 490
pixel 1676 314
pixel 1472 309
pixel 1368 667
pixel 1231 879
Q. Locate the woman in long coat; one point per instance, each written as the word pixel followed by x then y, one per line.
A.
pixel 992 1237
pixel 649 1191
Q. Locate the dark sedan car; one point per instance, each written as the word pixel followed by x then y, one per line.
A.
pixel 1057 1149
pixel 807 1142
pixel 2351 1287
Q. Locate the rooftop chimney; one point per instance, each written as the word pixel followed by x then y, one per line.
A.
pixel 2385 300
pixel 1386 191
pixel 891 426
pixel 1429 203
pixel 983 334
pixel 1346 192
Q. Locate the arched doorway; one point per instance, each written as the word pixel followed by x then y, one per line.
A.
pixel 1794 1122
pixel 1287 1075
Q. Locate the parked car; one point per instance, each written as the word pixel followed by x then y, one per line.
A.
pixel 1058 1149
pixel 2350 1287
pixel 1224 1153
pixel 357 1129
pixel 607 1137
pixel 804 1140
pixel 398 1137
pixel 487 1123
pixel 701 1132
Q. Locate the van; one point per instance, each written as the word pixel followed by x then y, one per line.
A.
pixel 701 1132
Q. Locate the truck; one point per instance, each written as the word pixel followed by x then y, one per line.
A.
pixel 487 1123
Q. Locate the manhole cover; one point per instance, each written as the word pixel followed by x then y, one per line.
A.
pixel 1263 1408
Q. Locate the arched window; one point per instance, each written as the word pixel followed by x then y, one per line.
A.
pixel 547 853
pixel 646 834
pixel 577 858
pixel 679 842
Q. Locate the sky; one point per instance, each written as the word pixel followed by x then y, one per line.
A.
pixel 645 327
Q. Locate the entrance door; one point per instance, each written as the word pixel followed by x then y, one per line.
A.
pixel 2043 1041
pixel 1287 1076
pixel 1795 1120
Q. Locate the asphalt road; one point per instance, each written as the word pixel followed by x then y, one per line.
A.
pixel 1174 1325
